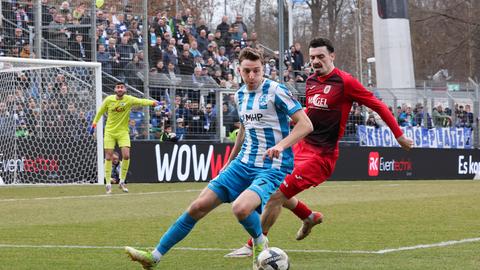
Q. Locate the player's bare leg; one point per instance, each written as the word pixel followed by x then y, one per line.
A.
pixel 272 210
pixel 124 168
pixel 108 170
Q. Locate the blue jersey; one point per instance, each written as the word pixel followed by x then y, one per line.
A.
pixel 265 114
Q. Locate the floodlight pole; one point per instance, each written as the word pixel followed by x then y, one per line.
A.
pixel 281 32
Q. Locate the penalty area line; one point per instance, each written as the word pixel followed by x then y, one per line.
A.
pixel 382 251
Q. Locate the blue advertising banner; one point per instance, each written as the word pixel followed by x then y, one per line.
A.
pixel 450 138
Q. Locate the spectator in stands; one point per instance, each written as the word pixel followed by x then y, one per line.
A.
pixel 126 52
pixel 371 121
pixel 201 26
pixel 270 66
pixel 244 40
pixel 194 49
pixel 181 37
pixel 159 67
pixel 209 53
pixel 186 63
pixel 241 27
pixel 235 35
pixel 169 56
pixel 355 119
pixel 212 67
pixel 114 56
pixel 80 49
pixel 161 28
pixel 58 36
pixel 195 120
pixel 26 51
pixel 105 59
pixel 131 72
pixel 298 60
pixel 274 75
pixel 18 40
pixel 132 129
pixel 406 118
pixel 172 72
pixel 210 121
pixel 137 114
pixel 440 119
pixel 253 40
pixel 219 40
pixel 21 129
pixel 116 167
pixel 167 135
pixel 181 130
pixel 460 117
pixel 469 117
pixel 223 27
pixel 156 51
pixel 420 118
pixel 202 41
pixel 226 68
pixel 230 82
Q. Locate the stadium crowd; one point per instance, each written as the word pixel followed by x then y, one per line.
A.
pixel 179 45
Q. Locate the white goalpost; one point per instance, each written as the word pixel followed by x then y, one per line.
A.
pixel 46 107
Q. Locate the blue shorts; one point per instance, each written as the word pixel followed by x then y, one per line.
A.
pixel 238 177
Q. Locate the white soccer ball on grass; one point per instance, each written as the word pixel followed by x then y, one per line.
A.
pixel 273 259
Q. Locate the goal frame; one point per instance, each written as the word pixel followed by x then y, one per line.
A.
pixel 98 96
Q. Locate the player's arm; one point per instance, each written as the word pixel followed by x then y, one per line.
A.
pixel 237 146
pixel 358 93
pixel 301 129
pixel 238 143
pixel 99 114
pixel 144 102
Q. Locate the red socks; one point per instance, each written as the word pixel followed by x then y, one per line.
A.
pixel 301 210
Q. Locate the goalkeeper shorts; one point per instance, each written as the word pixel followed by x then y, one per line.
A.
pixel 109 140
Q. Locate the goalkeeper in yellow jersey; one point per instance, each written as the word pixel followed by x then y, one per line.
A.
pixel 118 109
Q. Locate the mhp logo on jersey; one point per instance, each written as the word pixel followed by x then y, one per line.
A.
pixel 250 117
pixel 373 164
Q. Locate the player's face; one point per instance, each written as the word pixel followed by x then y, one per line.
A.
pixel 252 73
pixel 321 60
pixel 120 90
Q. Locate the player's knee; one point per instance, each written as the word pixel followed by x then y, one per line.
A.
pixel 198 209
pixel 277 199
pixel 241 211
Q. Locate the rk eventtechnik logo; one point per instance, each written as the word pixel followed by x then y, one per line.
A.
pixel 378 164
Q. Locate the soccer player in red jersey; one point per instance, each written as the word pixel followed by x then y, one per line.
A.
pixel 330 93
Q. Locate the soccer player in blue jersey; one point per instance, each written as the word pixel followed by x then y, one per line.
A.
pixel 260 160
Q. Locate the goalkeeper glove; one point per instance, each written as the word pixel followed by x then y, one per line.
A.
pixel 91 129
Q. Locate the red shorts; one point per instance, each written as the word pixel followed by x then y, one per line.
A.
pixel 311 168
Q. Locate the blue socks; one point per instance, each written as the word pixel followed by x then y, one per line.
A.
pixel 252 224
pixel 177 232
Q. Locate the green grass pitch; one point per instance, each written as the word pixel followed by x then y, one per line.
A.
pixel 368 225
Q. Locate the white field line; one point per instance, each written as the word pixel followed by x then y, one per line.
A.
pixel 383 251
pixel 100 195
pixel 152 193
pixel 441 244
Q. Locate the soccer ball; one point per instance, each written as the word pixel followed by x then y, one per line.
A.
pixel 273 259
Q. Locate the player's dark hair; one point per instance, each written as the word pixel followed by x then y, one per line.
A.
pixel 119 83
pixel 320 42
pixel 250 54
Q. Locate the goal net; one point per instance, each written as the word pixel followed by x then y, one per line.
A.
pixel 46 107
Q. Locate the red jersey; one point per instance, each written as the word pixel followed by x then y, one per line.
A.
pixel 328 101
